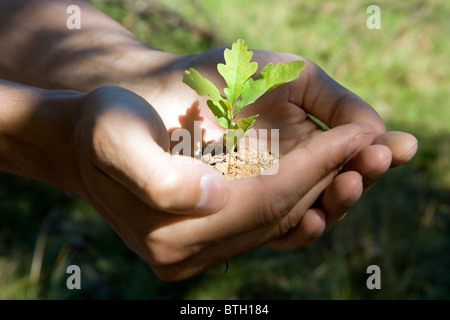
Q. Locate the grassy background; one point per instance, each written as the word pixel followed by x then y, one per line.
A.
pixel 401 224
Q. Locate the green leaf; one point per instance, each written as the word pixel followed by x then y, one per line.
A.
pixel 270 77
pixel 201 85
pixel 247 123
pixel 237 69
pixel 221 111
pixel 231 138
pixel 242 90
pixel 238 131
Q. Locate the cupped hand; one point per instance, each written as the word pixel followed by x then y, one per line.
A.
pixel 179 215
pixel 286 108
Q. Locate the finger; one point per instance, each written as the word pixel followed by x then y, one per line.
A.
pixel 260 203
pixel 252 220
pixel 295 216
pixel 402 145
pixel 323 97
pixel 340 196
pixel 371 163
pixel 221 250
pixel 335 105
pixel 127 136
pixel 309 229
pixel 132 219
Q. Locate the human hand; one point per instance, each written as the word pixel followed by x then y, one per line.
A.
pixel 123 60
pixel 181 245
pixel 286 108
pixel 151 199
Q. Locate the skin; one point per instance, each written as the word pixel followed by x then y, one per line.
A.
pixel 106 139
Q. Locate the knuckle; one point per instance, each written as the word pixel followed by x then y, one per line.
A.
pixel 316 228
pixel 97 140
pixel 288 224
pixel 323 166
pixel 168 192
pixel 276 207
pixel 100 143
pixel 170 185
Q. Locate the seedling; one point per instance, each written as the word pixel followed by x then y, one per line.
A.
pixel 242 89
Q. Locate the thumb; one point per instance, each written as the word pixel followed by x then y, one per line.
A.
pixel 181 184
pixel 169 183
pixel 128 145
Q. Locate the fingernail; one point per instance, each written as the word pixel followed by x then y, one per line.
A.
pixel 214 193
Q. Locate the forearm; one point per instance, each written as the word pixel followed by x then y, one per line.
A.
pixel 38 49
pixel 36 133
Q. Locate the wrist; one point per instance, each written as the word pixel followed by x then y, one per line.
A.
pixel 142 69
pixel 132 65
pixel 51 56
pixel 36 134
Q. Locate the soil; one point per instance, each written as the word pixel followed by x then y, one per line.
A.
pixel 244 163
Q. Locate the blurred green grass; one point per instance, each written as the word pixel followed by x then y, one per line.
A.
pixel 401 224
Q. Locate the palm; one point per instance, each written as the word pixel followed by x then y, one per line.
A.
pixel 179 106
pixel 277 112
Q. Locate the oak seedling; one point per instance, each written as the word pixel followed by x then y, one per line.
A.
pixel 242 90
